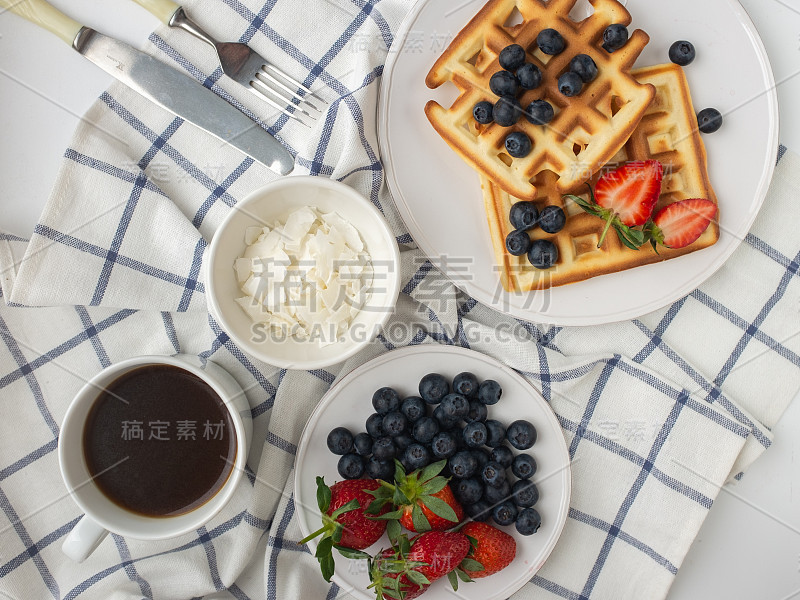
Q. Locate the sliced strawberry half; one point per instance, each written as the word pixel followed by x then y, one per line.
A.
pixel 631 191
pixel 682 223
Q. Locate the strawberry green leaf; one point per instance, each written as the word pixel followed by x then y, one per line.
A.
pixel 463 576
pixel 337 533
pixel 473 542
pixel 432 470
pixel 395 514
pixel 352 554
pixel 437 484
pixel 451 576
pixel 419 519
pixel 399 471
pixel 393 530
pixel 418 578
pixel 324 547
pixel 470 564
pixel 404 545
pixel 376 506
pixel 440 508
pixel 400 499
pixel 352 505
pixel 327 565
pixel 323 495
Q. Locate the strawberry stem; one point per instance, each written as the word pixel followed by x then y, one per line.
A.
pixel 609 221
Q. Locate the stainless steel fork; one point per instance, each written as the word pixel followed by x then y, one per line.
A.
pixel 246 67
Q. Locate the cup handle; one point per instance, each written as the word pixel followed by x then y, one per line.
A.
pixel 84 538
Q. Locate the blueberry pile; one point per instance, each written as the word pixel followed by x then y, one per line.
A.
pixel 683 53
pixel 524 217
pixel 449 422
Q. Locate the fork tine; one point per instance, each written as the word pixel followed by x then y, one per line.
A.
pixel 288 100
pixel 290 79
pixel 262 94
pixel 263 74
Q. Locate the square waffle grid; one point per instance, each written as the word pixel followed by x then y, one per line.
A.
pixel 587 130
pixel 667 133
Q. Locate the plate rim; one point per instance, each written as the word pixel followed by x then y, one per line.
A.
pixel 657 303
pixel 406 351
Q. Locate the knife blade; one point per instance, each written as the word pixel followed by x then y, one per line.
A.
pixel 163 85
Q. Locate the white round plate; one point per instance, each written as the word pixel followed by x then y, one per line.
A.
pixel 439 196
pixel 348 404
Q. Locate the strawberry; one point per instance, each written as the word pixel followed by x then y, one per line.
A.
pixel 423 500
pixel 344 524
pixel 681 223
pixel 408 568
pixel 492 550
pixel 625 198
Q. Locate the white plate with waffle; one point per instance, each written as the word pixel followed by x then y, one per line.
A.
pixel 439 195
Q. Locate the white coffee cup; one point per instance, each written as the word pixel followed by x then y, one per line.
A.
pixel 102 514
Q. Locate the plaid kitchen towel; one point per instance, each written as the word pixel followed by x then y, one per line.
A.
pixel 658 413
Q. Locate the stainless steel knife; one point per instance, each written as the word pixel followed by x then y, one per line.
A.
pixel 172 90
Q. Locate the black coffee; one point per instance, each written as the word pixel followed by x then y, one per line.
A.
pixel 159 441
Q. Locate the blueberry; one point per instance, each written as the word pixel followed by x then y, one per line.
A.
pixel 416 456
pixel 477 411
pixel 363 444
pixel 403 441
pixel 505 513
pixel 482 456
pixel 385 400
pixel 380 469
pixel 521 434
pixel 375 426
pixel 529 76
pixel 443 445
pixel 489 392
pixel 340 440
pixel 507 112
pixel 455 406
pixel 433 387
pixel 682 53
pixel 709 120
pixel 518 242
pixel 570 84
pixel 512 57
pixel 351 466
pixel 503 456
pixel 495 495
pixel 413 408
pixel 525 493
pixel 478 511
pixel 524 466
pixel 384 449
pixel 424 430
pixel 584 67
pixel 466 384
pixel 394 423
pixel 493 474
pixel 543 254
pixel 463 464
pixel 483 112
pixel 551 42
pixel 615 37
pixel 552 219
pixel 523 215
pixel 496 433
pixel 540 112
pixel 468 491
pixel 518 144
pixel 528 521
pixel 445 421
pixel 504 83
pixel 475 434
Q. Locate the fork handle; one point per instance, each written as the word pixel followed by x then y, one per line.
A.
pixel 45 15
pixel 163 9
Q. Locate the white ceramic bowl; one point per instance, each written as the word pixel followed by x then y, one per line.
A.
pixel 275 202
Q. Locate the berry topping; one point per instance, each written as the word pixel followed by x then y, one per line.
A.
pixel 682 53
pixel 443 445
pixel 503 456
pixel 375 426
pixel 524 215
pixel 552 219
pixel 682 223
pixel 384 449
pixel 380 469
pixel 433 387
pixel 631 191
pixel 477 411
pixel 417 456
pixel 523 466
pixel 425 429
pixel 363 444
pixel 518 242
pixel 475 434
pixel 709 120
pixel 466 384
pixel 351 466
pixel 504 83
pixel 483 112
pixel 525 493
pixel 570 84
pixel 540 112
pixel 583 66
pixel 385 400
pixel 507 111
pixel 468 491
pixel 615 37
pixel 463 465
pixel 551 42
pixel 413 408
pixel 518 144
pixel 505 513
pixel 521 434
pixel 494 550
pixel 394 423
pixel 528 521
pixel 494 475
pixel 512 57
pixel 497 433
pixel 340 440
pixel 543 254
pixel 489 392
pixel 529 76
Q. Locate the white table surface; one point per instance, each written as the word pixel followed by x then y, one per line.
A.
pixel 749 547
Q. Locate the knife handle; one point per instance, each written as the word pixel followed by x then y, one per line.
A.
pixel 44 15
pixel 163 9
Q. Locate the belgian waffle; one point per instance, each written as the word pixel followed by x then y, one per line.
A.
pixel 667 133
pixel 587 130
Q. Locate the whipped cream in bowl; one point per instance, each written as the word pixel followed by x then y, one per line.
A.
pixel 302 273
